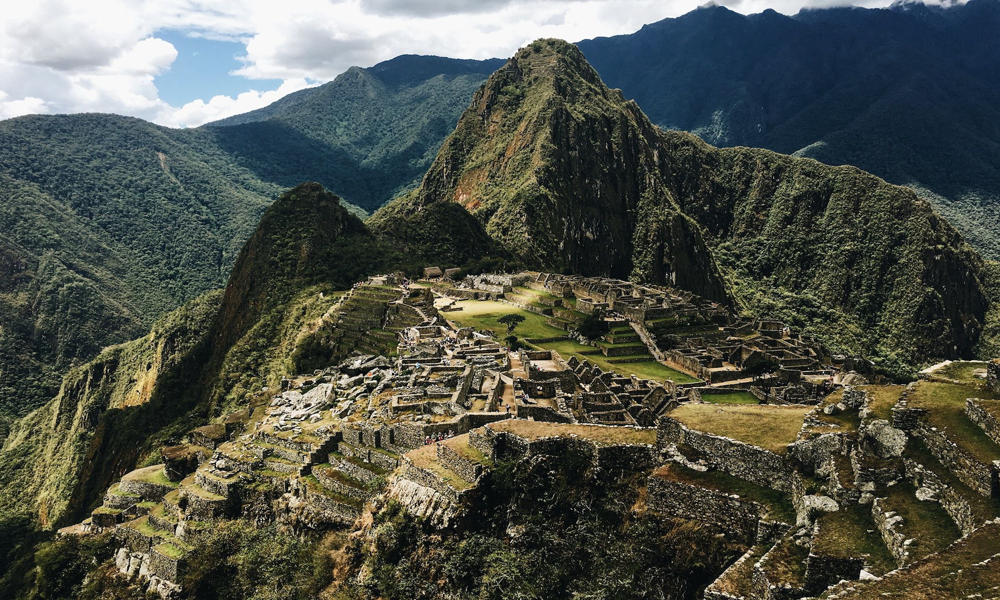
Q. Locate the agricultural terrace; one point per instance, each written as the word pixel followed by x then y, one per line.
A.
pixel 485 315
pixel 945 406
pixel 767 426
pixel 599 434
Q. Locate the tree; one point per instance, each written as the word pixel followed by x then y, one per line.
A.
pixel 511 320
pixel 593 326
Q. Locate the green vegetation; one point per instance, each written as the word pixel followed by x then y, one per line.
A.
pixel 578 536
pixel 244 560
pixel 778 505
pixel 833 103
pixel 945 405
pixel 767 426
pixel 926 522
pixel 485 315
pixel 730 398
pixel 851 532
pixel 110 222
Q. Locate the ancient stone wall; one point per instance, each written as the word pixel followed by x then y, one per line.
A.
pixel 984 419
pixel 888 524
pixel 467 469
pixel 751 463
pixel 166 567
pixel 979 476
pixel 729 513
pixel 822 571
pixel 951 501
pixel 419 476
pixel 993 374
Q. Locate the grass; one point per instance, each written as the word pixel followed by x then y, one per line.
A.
pixel 483 315
pixel 926 522
pixel 848 420
pixel 958 572
pixel 170 550
pixel 460 444
pixel 786 563
pixel 851 532
pixel 731 398
pixel 945 405
pixel 766 426
pixel 964 371
pixel 608 436
pixel 153 474
pixel 315 486
pixel 426 458
pixel 983 508
pixel 778 505
pixel 883 398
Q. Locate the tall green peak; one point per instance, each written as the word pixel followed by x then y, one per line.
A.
pixel 305 237
pixel 564 174
pixel 559 169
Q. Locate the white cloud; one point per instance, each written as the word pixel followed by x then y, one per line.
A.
pixel 219 107
pixel 102 55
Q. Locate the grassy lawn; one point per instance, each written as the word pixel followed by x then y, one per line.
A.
pixel 972 371
pixel 851 532
pixel 927 522
pixel 945 403
pixel 731 398
pixel 153 474
pixel 778 505
pixel 884 397
pixel 426 458
pixel 766 426
pixel 483 315
pixel 533 430
pixel 786 563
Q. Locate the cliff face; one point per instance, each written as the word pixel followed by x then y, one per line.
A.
pixel 565 175
pixel 849 241
pixel 59 459
pixel 560 170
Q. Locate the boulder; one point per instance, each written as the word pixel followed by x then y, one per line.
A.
pixel 813 505
pixel 883 439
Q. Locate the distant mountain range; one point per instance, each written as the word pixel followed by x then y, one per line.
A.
pixel 108 222
pixel 910 93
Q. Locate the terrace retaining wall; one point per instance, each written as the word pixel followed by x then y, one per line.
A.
pixel 748 462
pixel 728 512
pixel 980 476
pixel 951 501
pixel 887 524
pixel 978 414
pixel 993 374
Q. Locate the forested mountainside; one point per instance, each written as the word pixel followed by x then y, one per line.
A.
pixel 108 222
pixel 910 93
pixel 865 265
pixel 368 135
pixel 564 174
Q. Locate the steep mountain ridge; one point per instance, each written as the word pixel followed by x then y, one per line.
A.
pixel 564 174
pixel 557 168
pixel 109 222
pixel 908 93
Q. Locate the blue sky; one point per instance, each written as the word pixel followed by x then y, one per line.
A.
pixel 203 69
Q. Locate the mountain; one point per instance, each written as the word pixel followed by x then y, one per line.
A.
pixel 566 175
pixel 118 409
pixel 109 222
pixel 910 93
pixel 546 168
pixel 368 135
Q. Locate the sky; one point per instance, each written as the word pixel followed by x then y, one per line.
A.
pixel 182 63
